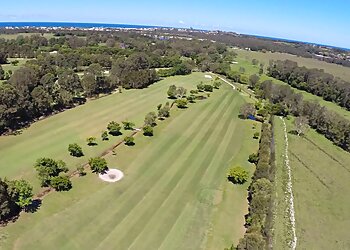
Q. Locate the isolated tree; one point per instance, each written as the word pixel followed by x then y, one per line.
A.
pixel 200 87
pixel 114 128
pixel 241 69
pixel 129 141
pixel 181 92
pixel 7 206
pixel 172 92
pixel 159 106
pixel 98 165
pixel 301 125
pixel 253 80
pixel 256 135
pixel 253 158
pixel 104 136
pixel 217 84
pixel 91 141
pixel 128 125
pixel 89 84
pixel 164 111
pixel 81 171
pixel 75 150
pixel 150 119
pixel 21 192
pixel 181 103
pixel 208 88
pixel 61 183
pixel 48 168
pixel 191 98
pixel 147 130
pixel 238 175
pixel 246 110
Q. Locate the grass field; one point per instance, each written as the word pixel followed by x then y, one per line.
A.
pixel 9 66
pixel 174 194
pixel 321 177
pixel 336 70
pixel 14 36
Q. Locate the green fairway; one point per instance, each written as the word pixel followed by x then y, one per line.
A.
pixel 321 177
pixel 50 137
pixel 174 194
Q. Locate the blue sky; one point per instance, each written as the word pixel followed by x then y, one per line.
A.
pixel 322 21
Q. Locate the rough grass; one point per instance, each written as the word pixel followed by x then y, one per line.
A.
pixel 174 194
pixel 14 36
pixel 254 69
pixel 321 176
pixel 337 70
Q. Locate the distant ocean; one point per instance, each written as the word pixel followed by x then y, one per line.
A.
pixel 124 26
pixel 76 25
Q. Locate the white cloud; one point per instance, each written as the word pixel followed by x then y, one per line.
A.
pixel 181 22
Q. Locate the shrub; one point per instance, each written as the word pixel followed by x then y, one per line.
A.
pixel 191 98
pixel 148 130
pixel 200 87
pixel 164 111
pixel 98 165
pixel 181 103
pixel 217 84
pixel 128 125
pixel 150 119
pixel 208 88
pixel 114 128
pixel 81 171
pixel 256 135
pixel 91 141
pixel 129 140
pixel 61 183
pixel 104 136
pixel 253 158
pixel 75 150
pixel 238 175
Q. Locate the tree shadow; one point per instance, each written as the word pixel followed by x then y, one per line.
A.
pixel 293 132
pixel 34 207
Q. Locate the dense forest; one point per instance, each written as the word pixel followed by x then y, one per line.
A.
pixel 65 70
pixel 314 81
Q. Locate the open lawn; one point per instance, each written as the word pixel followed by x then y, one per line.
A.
pixel 174 194
pixel 336 70
pixel 9 66
pixel 321 177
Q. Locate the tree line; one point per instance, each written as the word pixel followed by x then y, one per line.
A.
pixel 314 81
pixel 259 217
pixel 284 101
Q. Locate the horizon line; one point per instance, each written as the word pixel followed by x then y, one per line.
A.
pixel 261 36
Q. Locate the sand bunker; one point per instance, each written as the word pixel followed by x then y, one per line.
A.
pixel 112 175
pixel 208 76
